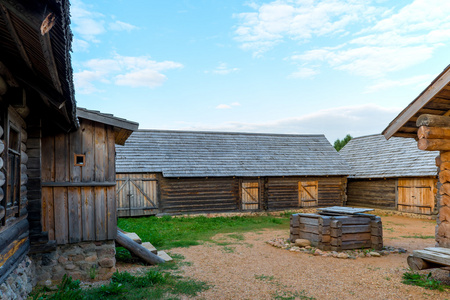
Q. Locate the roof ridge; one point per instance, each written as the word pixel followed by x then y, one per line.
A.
pixel 230 133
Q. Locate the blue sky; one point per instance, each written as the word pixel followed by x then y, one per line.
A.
pixel 286 66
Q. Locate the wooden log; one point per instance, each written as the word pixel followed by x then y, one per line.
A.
pixel 1 194
pixel 444 176
pixel 433 121
pixel 11 234
pixel 10 261
pixel 417 264
pixel 433 254
pixel 49 246
pixel 295 220
pixel 313 238
pixel 337 242
pixel 2 146
pixel 324 229
pixel 1 131
pixel 352 220
pixel 425 132
pixel 445 189
pixel 356 245
pixel 336 224
pixel 443 230
pixel 445 156
pixel 433 144
pixel 336 232
pixel 325 220
pixel 445 200
pixel 309 221
pixel 444 166
pixel 2 212
pixel 444 214
pixel 138 250
pixel 3 86
pixel 295 230
pixel 438 161
pixel 356 228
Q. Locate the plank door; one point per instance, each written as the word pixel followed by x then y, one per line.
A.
pixel 250 195
pixel 137 194
pixel 416 195
pixel 308 193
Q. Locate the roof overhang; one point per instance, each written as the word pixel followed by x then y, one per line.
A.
pixel 122 127
pixel 435 100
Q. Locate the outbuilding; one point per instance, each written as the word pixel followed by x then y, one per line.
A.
pixel 427 119
pixel 185 171
pixel 390 174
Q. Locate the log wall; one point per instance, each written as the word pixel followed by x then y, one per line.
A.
pixel 283 192
pixel 443 203
pixel 375 193
pixel 14 241
pixel 78 201
pixel 199 194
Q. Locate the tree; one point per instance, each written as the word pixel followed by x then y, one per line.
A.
pixel 339 144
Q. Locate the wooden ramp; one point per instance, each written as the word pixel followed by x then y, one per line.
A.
pixel 144 251
pixel 433 257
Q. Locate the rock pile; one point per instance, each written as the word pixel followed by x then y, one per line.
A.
pixel 301 245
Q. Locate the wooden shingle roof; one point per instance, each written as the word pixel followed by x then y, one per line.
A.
pixel 375 157
pixel 220 154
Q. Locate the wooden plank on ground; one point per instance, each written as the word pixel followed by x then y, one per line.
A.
pixel 433 256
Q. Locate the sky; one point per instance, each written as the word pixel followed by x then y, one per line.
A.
pixel 332 67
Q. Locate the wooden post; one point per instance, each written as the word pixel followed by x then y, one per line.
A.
pixel 294 227
pixel 324 233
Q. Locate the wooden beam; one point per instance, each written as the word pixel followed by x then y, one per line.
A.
pixel 138 250
pixel 15 36
pixel 425 132
pixel 433 121
pixel 47 50
pixel 434 144
pixel 425 97
pixel 417 264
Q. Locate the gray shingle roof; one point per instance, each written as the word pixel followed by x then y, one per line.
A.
pixel 375 157
pixel 214 154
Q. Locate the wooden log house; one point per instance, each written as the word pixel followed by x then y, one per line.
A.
pixel 390 174
pixel 184 172
pixel 57 176
pixel 427 119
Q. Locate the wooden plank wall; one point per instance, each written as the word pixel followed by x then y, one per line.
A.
pixel 199 194
pixel 282 193
pixel 375 193
pixel 14 241
pixel 417 195
pixel 137 194
pixel 78 202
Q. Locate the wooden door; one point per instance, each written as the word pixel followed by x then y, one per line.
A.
pixel 308 193
pixel 416 195
pixel 137 194
pixel 250 195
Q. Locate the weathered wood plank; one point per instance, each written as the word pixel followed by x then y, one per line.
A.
pixel 111 212
pixel 61 215
pixel 74 215
pixel 100 214
pixel 433 256
pixel 138 250
pixel 48 221
pixel 100 152
pixel 88 213
pixel 87 129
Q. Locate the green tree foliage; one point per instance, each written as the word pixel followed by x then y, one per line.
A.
pixel 339 144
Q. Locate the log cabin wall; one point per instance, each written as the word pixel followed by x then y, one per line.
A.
pixel 199 194
pixel 375 193
pixel 14 241
pixel 78 184
pixel 285 192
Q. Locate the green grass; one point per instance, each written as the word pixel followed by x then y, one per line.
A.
pixel 426 281
pixel 418 236
pixel 171 232
pixel 151 285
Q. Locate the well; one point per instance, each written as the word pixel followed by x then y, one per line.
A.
pixel 338 232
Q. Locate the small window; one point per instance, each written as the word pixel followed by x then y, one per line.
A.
pixel 79 160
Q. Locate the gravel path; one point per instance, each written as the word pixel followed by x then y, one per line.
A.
pixel 248 268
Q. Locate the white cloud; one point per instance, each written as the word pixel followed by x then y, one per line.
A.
pixel 333 122
pixel 88 24
pixel 124 71
pixel 364 38
pixel 121 26
pixel 223 106
pixel 421 80
pixel 223 69
pixel 304 73
pixel 235 104
pixel 299 20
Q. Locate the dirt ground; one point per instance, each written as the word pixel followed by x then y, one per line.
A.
pixel 249 268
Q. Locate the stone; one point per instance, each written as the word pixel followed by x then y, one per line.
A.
pixel 342 255
pixel 164 256
pixel 62 260
pixel 107 262
pixel 374 254
pixel 109 252
pixel 70 267
pixel 302 242
pixel 91 258
pixel 48 283
pixel 78 257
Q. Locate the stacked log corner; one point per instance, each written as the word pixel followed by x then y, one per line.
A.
pixel 2 177
pixel 434 135
pixel 338 233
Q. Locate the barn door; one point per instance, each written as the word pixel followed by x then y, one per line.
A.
pixel 308 193
pixel 137 194
pixel 250 198
pixel 416 195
